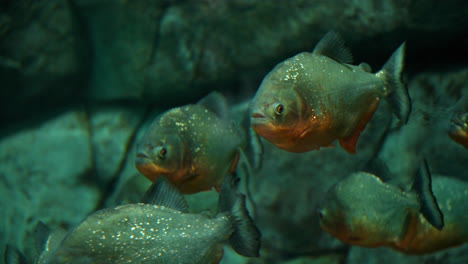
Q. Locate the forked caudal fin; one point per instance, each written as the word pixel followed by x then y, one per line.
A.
pixel 428 203
pixel 245 238
pixel 395 91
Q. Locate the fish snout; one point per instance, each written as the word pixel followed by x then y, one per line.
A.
pixel 257 115
pixel 142 155
pixel 144 151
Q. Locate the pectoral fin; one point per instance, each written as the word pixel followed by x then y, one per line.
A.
pixel 349 143
pixel 163 193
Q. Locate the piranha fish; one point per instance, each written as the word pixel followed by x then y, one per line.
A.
pixel 311 99
pixel 363 210
pixel 458 130
pixel 161 231
pixel 194 146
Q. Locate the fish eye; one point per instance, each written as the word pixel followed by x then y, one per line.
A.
pixel 279 109
pixel 162 152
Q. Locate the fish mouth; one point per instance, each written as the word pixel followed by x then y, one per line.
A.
pixel 142 155
pixel 142 160
pixel 257 115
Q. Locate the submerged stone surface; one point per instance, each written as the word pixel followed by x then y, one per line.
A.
pixel 172 52
pixel 42 57
pixel 45 173
pixel 112 131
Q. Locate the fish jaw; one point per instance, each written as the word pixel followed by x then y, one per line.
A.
pixel 292 139
pixel 458 132
pixel 333 223
pixel 146 166
pixel 266 129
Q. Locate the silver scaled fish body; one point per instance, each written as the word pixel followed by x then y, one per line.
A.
pixel 194 146
pixel 308 101
pixel 161 231
pixel 363 210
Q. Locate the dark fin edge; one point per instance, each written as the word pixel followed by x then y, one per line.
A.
pixel 396 92
pixel 13 256
pixel 216 103
pixel 163 193
pixel 247 172
pixel 333 46
pixel 429 207
pixel 245 239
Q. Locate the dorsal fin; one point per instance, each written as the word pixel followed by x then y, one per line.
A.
pixel 216 103
pixel 163 193
pixel 332 46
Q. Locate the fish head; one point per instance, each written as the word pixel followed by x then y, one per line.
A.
pixel 161 152
pixel 279 111
pixel 353 212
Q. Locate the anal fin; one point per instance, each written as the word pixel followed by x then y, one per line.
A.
pixel 349 143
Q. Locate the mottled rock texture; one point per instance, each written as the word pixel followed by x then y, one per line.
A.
pixel 46 175
pixel 42 62
pixel 172 52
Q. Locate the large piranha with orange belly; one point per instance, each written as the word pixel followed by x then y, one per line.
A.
pixel 365 211
pixel 308 101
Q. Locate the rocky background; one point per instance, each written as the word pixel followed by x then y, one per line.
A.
pixel 81 80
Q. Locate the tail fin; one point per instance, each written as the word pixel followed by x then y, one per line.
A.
pixel 429 206
pixel 245 238
pixel 396 91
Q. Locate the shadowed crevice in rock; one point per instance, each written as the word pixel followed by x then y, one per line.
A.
pixel 113 178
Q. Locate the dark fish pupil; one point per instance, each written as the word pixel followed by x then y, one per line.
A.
pixel 279 109
pixel 162 152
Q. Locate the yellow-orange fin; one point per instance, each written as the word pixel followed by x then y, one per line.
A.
pixel 349 143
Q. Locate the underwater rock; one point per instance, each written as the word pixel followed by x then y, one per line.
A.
pixel 128 185
pixel 122 35
pixel 112 130
pixel 45 176
pixel 41 62
pixel 173 52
